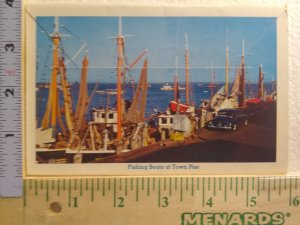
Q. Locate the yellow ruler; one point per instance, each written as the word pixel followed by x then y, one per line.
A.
pixel 182 200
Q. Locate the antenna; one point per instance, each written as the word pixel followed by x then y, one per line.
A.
pixel 120 30
pixel 176 65
pixel 186 41
pixel 56 25
pixel 226 35
pixel 120 26
pixel 243 48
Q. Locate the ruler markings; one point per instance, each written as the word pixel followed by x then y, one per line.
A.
pixel 236 186
pixel 279 187
pixel 142 183
pixel 120 184
pixel 296 183
pixel 58 187
pixel 175 183
pixel 247 192
pixel 253 182
pixel 64 184
pixel 126 186
pixel 170 186
pixel 131 184
pixel 103 186
pixel 198 180
pixel 153 183
pixel 225 189
pixel 115 193
pixel 203 192
pixel 186 183
pixel 41 185
pixel 269 189
pixel 290 192
pixel 181 190
pixel 242 183
pixel 148 186
pixel 81 187
pixel 258 186
pixel 230 183
pixel 137 189
pixel 47 190
pixel 92 191
pixel 10 22
pixel 165 183
pixel 220 184
pixel 215 186
pixel 158 199
pixel 192 187
pixel 208 183
pixel 274 184
pixel 69 193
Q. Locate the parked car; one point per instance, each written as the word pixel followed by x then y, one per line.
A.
pixel 228 119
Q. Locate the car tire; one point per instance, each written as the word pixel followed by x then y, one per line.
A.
pixel 246 122
pixel 234 127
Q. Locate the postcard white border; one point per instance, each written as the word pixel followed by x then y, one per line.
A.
pixel 31 168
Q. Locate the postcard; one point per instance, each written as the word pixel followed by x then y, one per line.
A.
pixel 146 91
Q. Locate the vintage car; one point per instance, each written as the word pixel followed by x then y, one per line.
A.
pixel 228 119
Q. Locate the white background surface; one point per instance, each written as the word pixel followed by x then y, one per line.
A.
pixel 293 8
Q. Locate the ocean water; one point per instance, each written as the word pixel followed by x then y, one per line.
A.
pixel 157 100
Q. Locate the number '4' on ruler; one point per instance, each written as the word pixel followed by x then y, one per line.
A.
pixel 10 99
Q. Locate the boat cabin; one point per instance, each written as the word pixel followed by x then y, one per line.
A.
pixel 104 116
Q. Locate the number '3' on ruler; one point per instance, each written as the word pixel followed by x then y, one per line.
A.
pixel 10 99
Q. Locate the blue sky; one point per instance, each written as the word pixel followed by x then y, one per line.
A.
pixel 164 39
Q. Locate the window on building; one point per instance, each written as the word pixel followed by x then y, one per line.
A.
pixel 171 120
pixel 103 115
pixel 111 116
pixel 164 120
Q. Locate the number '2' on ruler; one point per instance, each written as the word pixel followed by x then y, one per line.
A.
pixel 10 99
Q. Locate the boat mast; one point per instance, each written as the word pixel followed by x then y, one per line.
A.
pixel 187 91
pixel 242 87
pixel 176 80
pixel 226 89
pixel 227 72
pixel 212 83
pixel 120 45
pixel 260 93
pixel 51 109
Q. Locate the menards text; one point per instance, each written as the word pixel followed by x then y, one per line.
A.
pixel 261 218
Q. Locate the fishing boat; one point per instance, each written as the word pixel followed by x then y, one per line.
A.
pixel 179 121
pixel 167 87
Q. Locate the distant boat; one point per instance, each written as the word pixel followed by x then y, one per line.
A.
pixel 212 86
pixel 181 88
pixel 109 92
pixel 167 87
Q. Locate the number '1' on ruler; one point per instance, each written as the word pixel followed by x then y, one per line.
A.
pixel 10 99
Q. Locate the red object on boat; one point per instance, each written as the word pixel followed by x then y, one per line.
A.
pixel 253 101
pixel 182 108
